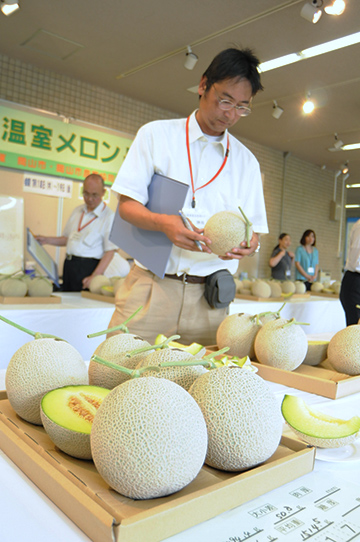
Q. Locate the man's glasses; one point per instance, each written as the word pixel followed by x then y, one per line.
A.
pixel 226 105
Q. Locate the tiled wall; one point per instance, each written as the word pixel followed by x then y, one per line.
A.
pixel 304 196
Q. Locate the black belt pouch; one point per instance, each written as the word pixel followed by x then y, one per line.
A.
pixel 220 289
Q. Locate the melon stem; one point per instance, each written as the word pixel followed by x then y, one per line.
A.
pixel 134 373
pixel 247 227
pixel 35 334
pixel 294 322
pixel 120 327
pixel 164 344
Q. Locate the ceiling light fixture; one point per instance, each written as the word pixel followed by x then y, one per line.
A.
pixel 277 110
pixel 321 49
pixel 9 6
pixel 338 143
pixel 345 168
pixel 356 185
pixel 312 12
pixel 308 106
pixel 190 59
pixel 336 8
pixel 351 147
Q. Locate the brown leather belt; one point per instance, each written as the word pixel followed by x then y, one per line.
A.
pixel 187 279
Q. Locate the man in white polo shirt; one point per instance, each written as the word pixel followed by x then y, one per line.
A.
pixel 86 237
pixel 221 174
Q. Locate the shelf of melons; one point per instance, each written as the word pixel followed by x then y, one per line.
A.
pixel 323 315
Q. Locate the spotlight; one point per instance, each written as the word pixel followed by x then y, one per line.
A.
pixel 191 59
pixel 308 106
pixel 345 168
pixel 338 143
pixel 277 111
pixel 9 6
pixel 311 12
pixel 336 8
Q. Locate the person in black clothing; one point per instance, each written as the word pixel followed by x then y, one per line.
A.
pixel 281 258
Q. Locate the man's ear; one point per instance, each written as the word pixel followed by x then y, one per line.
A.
pixel 202 86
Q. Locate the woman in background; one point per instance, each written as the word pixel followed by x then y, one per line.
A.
pixel 281 259
pixel 307 259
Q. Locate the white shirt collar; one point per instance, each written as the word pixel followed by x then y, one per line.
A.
pixel 98 210
pixel 196 133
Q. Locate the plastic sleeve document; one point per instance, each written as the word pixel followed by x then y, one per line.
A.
pixel 42 257
pixel 151 248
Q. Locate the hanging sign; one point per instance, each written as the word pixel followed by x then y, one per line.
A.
pixel 58 147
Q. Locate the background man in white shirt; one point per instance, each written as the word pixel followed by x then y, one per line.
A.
pixel 221 174
pixel 86 237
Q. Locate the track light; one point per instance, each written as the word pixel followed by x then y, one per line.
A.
pixel 345 168
pixel 336 8
pixel 338 143
pixel 277 110
pixel 9 6
pixel 191 59
pixel 312 12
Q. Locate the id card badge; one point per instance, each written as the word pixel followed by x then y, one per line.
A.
pixel 197 217
pixel 311 270
pixel 288 273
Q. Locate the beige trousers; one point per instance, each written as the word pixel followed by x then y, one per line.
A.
pixel 169 306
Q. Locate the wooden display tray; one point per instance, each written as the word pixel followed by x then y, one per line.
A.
pixel 319 379
pixel 278 299
pixel 98 297
pixel 106 516
pixel 28 300
pixel 325 294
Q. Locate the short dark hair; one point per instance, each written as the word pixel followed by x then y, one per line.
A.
pixel 234 63
pixel 305 234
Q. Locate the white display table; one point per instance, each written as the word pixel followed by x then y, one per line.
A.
pixel 27 514
pixel 325 315
pixel 72 320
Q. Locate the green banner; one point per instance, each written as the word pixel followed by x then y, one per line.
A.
pixel 33 142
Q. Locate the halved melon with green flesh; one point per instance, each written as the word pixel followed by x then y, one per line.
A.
pixel 194 348
pixel 67 414
pixel 317 428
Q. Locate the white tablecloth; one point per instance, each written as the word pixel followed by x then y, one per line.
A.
pixel 72 320
pixel 27 514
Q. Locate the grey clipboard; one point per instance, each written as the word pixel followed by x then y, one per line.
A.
pixel 42 257
pixel 151 248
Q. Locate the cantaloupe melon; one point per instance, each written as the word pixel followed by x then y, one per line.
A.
pixel 316 287
pixel 40 287
pixel 288 287
pixel 238 332
pixel 148 438
pixel 107 291
pixel 114 349
pixel 184 376
pixel 13 287
pixel 317 428
pixel 227 229
pixel 344 350
pixel 281 343
pixel 38 367
pixel 260 288
pixel 97 283
pixel 300 287
pixel 317 352
pixel 242 416
pixel 275 287
pixel 67 415
pixel 336 287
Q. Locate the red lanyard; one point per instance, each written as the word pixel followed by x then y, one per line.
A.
pixel 80 227
pixel 190 166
